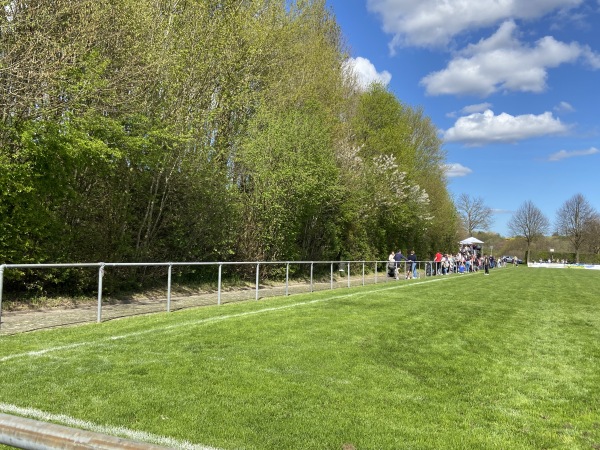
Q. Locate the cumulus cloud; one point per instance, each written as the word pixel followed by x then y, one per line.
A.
pixel 436 22
pixel 366 73
pixel 485 128
pixel 563 154
pixel 454 170
pixel 503 63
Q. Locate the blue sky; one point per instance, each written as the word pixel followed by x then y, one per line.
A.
pixel 513 87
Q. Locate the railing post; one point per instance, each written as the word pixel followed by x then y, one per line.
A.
pixel 287 278
pixel 219 287
pixel 169 288
pixel 257 278
pixel 375 272
pixel 331 278
pixel 363 273
pixel 348 274
pixel 1 285
pixel 100 276
pixel 311 276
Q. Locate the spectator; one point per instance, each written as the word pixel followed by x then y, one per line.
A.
pixel 398 257
pixel 411 270
pixel 438 263
pixel 391 265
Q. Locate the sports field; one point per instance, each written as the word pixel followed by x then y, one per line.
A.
pixel 506 361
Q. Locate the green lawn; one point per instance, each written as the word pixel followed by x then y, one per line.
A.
pixel 506 361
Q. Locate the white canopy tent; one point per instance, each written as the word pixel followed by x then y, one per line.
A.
pixel 470 241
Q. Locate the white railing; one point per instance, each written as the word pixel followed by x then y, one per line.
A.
pixel 341 274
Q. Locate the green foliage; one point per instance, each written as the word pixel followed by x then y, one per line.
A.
pixel 290 184
pixel 190 131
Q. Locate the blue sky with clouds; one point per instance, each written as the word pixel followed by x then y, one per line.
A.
pixel 512 85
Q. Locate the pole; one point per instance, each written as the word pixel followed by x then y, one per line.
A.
pixel 348 274
pixel 1 285
pixel 257 278
pixel 287 278
pixel 169 288
pixel 363 273
pixel 100 276
pixel 219 287
pixel 331 278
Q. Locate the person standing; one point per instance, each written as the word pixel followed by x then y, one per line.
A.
pixel 391 265
pixel 438 263
pixel 486 264
pixel 412 271
pixel 398 257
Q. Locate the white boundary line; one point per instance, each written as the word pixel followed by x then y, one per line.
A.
pixel 209 320
pixel 140 436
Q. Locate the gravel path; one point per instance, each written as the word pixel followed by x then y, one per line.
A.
pixel 20 321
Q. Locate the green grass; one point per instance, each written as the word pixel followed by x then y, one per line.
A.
pixel 507 361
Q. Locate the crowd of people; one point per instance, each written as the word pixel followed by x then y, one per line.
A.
pixel 468 259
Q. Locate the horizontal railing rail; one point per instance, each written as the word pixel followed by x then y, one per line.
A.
pixel 352 270
pixel 32 434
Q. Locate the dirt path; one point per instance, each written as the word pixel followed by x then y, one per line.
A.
pixel 20 321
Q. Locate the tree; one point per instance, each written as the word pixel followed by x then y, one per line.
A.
pixel 592 235
pixel 473 213
pixel 572 219
pixel 529 222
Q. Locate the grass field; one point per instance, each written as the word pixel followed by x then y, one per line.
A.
pixel 506 361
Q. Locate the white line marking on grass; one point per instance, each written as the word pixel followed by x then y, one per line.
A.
pixel 209 320
pixel 141 436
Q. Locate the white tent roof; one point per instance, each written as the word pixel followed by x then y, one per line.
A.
pixel 470 241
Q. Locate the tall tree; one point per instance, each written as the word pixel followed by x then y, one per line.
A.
pixel 529 222
pixel 572 219
pixel 473 213
pixel 592 233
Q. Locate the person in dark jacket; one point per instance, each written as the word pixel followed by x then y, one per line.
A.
pixel 411 270
pixel 398 257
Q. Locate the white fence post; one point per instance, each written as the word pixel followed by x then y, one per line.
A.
pixel 363 273
pixel 169 288
pixel 100 276
pixel 219 285
pixel 331 278
pixel 257 278
pixel 1 285
pixel 287 278
pixel 348 274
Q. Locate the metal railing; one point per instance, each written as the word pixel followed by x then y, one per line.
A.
pixel 36 435
pixel 340 274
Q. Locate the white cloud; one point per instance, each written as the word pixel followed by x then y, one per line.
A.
pixel 563 154
pixel 503 63
pixel 366 73
pixel 564 107
pixel 485 128
pixel 436 22
pixel 470 109
pixel 456 170
pixel 480 107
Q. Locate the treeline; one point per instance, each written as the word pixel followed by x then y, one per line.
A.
pixel 190 130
